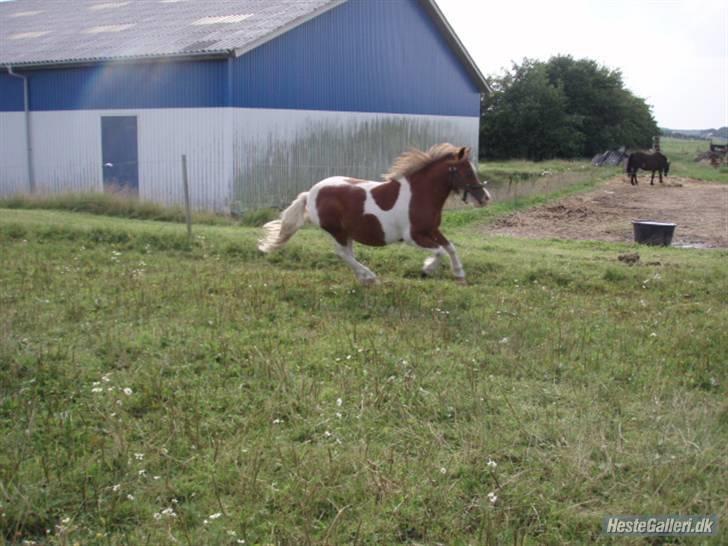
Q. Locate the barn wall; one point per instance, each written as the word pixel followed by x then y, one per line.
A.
pixel 67 153
pixel 13 159
pixel 278 153
pixel 362 56
pixel 343 93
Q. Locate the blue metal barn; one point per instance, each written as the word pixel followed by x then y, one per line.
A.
pixel 265 97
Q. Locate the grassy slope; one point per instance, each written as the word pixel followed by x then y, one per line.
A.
pixel 305 409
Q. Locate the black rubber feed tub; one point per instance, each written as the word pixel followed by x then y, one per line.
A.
pixel 653 233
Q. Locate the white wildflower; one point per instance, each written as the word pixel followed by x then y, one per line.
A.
pixel 503 340
pixel 116 487
pixel 139 456
pixel 491 463
pixel 492 497
pixel 339 401
pixel 443 470
pixel 130 497
pixel 157 515
pixel 128 391
pixel 97 389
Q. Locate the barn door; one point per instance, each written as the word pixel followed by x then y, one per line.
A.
pixel 119 154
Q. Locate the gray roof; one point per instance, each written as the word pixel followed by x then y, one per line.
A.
pixel 71 31
pixel 57 32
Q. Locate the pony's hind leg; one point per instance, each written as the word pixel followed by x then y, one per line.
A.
pixel 362 272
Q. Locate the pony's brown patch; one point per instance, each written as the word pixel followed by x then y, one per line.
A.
pixel 425 211
pixel 341 213
pixel 385 195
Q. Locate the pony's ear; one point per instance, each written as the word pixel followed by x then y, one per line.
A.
pixel 463 152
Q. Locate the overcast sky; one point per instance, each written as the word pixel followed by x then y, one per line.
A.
pixel 673 53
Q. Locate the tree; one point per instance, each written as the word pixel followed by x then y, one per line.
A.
pixel 562 108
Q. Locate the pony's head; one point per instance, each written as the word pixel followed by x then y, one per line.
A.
pixel 464 179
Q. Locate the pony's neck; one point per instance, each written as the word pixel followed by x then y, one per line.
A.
pixel 433 180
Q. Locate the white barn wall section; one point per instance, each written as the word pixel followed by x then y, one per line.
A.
pixel 67 153
pixel 279 153
pixel 238 158
pixel 13 154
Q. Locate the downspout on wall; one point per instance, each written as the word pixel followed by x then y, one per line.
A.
pixel 28 141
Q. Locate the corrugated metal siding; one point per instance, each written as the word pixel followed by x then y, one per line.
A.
pixel 67 153
pixel 141 85
pixel 13 162
pixel 363 56
pixel 164 135
pixel 11 93
pixel 279 153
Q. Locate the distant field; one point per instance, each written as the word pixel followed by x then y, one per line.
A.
pixel 682 154
pixel 157 392
pixel 515 170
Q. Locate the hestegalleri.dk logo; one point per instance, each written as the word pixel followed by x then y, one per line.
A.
pixel 661 525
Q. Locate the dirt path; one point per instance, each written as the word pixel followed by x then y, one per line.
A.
pixel 700 210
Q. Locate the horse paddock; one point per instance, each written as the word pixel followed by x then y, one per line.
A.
pixel 700 210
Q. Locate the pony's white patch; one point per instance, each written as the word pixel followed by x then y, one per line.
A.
pixel 395 222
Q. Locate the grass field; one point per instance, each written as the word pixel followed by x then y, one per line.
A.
pixel 157 392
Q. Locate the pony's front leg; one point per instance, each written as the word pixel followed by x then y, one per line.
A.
pixel 652 180
pixel 457 265
pixel 438 244
pixel 433 262
pixel 362 272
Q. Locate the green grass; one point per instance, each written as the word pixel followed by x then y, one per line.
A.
pixel 682 154
pixel 304 409
pixel 515 170
pixel 111 204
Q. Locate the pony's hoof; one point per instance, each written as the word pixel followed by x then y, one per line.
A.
pixel 369 281
pixel 461 281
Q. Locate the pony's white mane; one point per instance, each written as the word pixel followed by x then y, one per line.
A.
pixel 413 160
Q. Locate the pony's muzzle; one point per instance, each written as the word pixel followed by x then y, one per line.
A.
pixel 484 199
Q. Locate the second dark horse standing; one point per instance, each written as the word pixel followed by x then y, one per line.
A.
pixel 655 162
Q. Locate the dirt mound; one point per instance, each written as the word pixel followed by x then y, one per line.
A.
pixel 700 210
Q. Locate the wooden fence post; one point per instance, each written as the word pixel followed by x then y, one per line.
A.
pixel 185 183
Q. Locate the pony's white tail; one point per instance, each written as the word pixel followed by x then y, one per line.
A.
pixel 279 231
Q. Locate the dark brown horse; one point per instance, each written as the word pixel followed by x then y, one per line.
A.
pixel 406 207
pixel 655 162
